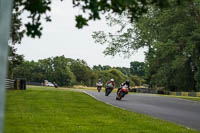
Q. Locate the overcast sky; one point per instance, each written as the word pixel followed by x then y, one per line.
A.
pixel 61 37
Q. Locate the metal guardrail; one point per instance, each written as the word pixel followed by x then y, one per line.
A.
pixel 9 84
pixel 146 90
pixel 35 83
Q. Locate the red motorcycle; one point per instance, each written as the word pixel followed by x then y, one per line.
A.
pixel 122 92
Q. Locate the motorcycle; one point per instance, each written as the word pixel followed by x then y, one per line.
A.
pixel 108 89
pixel 99 86
pixel 122 92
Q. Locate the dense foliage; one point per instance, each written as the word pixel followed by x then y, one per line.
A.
pixel 68 72
pixel 173 56
pixel 13 61
pixel 172 37
pixel 38 10
pixel 137 68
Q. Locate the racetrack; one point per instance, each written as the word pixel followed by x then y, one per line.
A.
pixel 180 111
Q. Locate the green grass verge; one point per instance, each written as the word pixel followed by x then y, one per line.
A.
pixel 173 96
pixel 184 97
pixel 59 111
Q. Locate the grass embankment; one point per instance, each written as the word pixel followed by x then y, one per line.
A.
pixel 91 88
pixel 60 111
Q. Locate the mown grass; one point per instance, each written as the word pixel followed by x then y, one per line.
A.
pixel 91 88
pixel 60 111
pixel 184 97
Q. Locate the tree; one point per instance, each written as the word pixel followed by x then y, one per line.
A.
pixel 51 69
pixel 115 74
pixel 172 54
pixel 99 67
pixel 82 72
pixel 36 10
pixel 61 72
pixel 134 8
pixel 39 9
pixel 124 70
pixel 13 61
pixel 137 68
pixel 171 36
pixel 137 80
pixel 64 77
pixel 29 71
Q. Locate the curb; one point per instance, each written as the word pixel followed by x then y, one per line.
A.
pixel 103 101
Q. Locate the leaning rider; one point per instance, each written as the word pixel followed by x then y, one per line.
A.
pixel 110 84
pixel 127 83
pixel 99 83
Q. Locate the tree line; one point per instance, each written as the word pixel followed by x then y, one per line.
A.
pixel 68 72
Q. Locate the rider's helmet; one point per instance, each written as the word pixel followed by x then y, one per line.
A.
pixel 112 80
pixel 127 82
pixel 99 79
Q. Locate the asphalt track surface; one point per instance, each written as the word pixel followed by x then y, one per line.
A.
pixel 180 111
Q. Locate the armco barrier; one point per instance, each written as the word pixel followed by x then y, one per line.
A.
pixel 34 83
pixel 146 90
pixel 178 94
pixel 193 94
pixel 18 84
pixel 184 93
pixel 9 84
pixel 172 93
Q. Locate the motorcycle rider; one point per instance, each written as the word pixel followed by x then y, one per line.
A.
pixel 110 83
pixel 99 84
pixel 127 83
pixel 55 85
